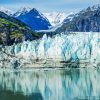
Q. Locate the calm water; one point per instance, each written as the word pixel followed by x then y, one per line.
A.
pixel 52 84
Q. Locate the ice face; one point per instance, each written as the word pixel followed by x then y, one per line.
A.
pixel 53 84
pixel 70 47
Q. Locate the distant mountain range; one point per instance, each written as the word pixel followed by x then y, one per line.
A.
pixel 41 21
pixel 29 24
pixel 87 20
pixel 84 21
pixel 54 18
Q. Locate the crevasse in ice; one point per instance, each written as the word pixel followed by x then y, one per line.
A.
pixel 73 46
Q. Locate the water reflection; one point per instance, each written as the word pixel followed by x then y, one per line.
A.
pixel 60 84
pixel 9 95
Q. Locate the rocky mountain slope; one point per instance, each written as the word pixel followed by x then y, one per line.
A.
pixel 14 31
pixel 35 20
pixel 85 21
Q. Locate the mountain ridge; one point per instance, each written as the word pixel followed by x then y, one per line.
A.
pixel 85 21
pixel 14 31
pixel 35 19
pixel 22 11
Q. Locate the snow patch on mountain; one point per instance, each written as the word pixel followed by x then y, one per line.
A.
pixel 56 18
pixel 6 11
pixel 22 11
pixel 34 19
pixel 87 20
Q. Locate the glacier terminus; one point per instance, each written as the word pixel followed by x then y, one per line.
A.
pixel 63 48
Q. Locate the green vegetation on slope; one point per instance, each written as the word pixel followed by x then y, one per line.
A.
pixel 11 32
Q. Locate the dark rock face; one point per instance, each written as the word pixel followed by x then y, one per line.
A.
pixel 14 31
pixel 35 20
pixel 84 21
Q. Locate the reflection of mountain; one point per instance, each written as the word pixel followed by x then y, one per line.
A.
pixel 11 95
pixel 54 84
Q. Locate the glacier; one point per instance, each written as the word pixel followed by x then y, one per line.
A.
pixel 75 46
pixel 56 18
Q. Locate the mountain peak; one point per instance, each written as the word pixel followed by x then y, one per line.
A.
pixel 33 18
pixel 86 20
pixel 95 7
pixel 22 11
pixel 34 9
pixel 37 12
pixel 25 8
pixel 6 11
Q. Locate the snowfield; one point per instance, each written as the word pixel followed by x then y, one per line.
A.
pixel 56 18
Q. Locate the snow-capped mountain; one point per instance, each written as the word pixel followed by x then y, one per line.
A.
pixel 22 11
pixel 14 31
pixel 55 18
pixel 86 20
pixel 6 11
pixel 35 19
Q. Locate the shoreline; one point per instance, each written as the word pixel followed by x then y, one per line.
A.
pixel 85 65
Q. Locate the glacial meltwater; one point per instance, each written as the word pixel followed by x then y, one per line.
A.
pixel 50 84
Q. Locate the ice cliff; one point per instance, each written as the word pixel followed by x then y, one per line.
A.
pixel 70 47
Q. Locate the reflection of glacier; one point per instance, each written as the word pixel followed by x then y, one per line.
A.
pixel 76 46
pixel 54 85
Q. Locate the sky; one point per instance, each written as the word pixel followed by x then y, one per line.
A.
pixel 49 5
